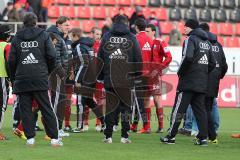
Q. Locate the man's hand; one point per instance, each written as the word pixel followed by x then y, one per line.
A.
pixel 77 88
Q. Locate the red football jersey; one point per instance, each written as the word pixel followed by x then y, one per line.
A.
pixel 161 53
pixel 145 43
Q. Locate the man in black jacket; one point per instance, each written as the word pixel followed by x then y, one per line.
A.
pixel 83 49
pixel 31 59
pixel 197 62
pixel 119 51
pixel 58 92
pixel 214 78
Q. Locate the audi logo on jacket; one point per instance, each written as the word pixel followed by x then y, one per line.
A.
pixel 32 57
pixel 197 62
pixel 221 66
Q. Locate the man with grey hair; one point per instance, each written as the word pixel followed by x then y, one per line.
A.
pixel 31 59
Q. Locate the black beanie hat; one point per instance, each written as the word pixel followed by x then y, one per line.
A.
pixel 191 23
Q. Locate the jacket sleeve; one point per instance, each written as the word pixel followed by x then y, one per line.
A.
pixel 80 63
pixel 64 55
pixel 211 61
pixel 224 65
pixel 100 60
pixel 167 55
pixel 12 61
pixel 50 54
pixel 188 53
pixel 137 58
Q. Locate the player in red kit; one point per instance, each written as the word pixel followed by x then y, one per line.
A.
pixel 145 43
pixel 160 55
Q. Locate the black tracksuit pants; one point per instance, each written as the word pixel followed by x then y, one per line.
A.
pixel 4 90
pixel 58 98
pixel 211 130
pixel 16 113
pixel 82 102
pixel 182 100
pixel 115 101
pixel 27 116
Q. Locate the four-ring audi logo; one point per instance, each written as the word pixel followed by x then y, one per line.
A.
pixel 204 45
pixel 30 44
pixel 118 40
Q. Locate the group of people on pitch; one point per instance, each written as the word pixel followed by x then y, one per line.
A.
pixel 114 76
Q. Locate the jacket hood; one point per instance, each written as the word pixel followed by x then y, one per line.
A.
pixel 54 29
pixel 120 29
pixel 84 41
pixel 29 33
pixel 212 37
pixel 199 33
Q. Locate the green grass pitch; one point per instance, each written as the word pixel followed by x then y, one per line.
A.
pixel 89 146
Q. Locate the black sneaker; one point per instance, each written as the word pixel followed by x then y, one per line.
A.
pixel 167 140
pixel 201 142
pixel 68 129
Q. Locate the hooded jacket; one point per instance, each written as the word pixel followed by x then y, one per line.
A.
pixel 221 66
pixel 120 54
pixel 83 49
pixel 61 49
pixel 31 59
pixel 197 62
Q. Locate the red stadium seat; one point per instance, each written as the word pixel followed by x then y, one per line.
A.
pixel 109 2
pixel 161 13
pixel 221 40
pixel 112 11
pixel 237 29
pixel 140 2
pixel 166 27
pixel 54 12
pixel 84 12
pixel 101 23
pixel 95 2
pixel 124 2
pixel 68 11
pixel 79 2
pixel 129 11
pixel 226 29
pixel 75 23
pixel 180 26
pixel 67 2
pixel 213 28
pixel 87 25
pixel 146 11
pixel 99 12
pixel 232 42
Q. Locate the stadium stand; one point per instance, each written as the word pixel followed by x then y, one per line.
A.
pixel 223 15
pixel 205 15
pixel 175 14
pixel 154 3
pixel 169 3
pixel 199 3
